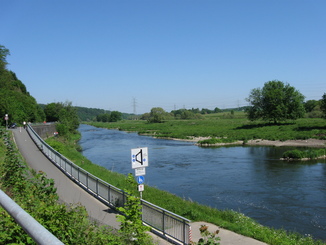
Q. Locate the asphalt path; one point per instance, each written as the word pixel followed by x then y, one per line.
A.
pixel 69 192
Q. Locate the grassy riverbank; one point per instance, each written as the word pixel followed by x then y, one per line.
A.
pixel 222 126
pixel 36 194
pixel 196 212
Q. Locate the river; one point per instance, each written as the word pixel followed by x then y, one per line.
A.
pixel 250 180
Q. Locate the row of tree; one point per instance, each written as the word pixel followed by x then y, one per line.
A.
pixel 275 102
pixel 20 106
pixel 15 101
pixel 113 116
pixel 65 115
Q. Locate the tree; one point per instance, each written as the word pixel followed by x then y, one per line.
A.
pixel 217 110
pixel 186 114
pixel 275 102
pixel 157 115
pixel 52 111
pixel 103 117
pixel 3 54
pixel 310 105
pixel 115 116
pixel 14 97
pixel 63 113
pixel 131 225
pixel 145 116
pixel 323 105
pixel 68 119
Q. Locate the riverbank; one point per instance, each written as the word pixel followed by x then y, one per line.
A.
pixel 261 142
pixel 227 219
pixel 239 131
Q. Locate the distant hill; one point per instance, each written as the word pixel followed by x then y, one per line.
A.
pixel 85 113
pixel 89 114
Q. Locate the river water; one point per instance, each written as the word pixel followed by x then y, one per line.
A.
pixel 250 180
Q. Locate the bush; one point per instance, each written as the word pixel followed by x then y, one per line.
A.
pixel 300 154
pixel 213 141
pixel 58 146
pixel 293 154
pixel 37 196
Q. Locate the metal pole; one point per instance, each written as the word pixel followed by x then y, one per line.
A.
pixel 6 118
pixel 33 228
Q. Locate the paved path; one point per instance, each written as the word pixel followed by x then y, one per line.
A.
pixel 69 192
pixel 227 237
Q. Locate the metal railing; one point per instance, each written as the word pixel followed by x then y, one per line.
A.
pixel 163 222
pixel 33 228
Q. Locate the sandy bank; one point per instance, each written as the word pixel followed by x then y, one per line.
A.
pixel 260 142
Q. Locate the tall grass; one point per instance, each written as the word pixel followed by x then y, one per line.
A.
pixel 304 154
pixel 219 127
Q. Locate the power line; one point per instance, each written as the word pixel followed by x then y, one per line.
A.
pixel 134 105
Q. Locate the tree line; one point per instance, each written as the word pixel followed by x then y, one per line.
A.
pixel 15 100
pixel 278 102
pixel 275 102
pixel 20 106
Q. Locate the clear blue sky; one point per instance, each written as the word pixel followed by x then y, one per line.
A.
pixel 163 53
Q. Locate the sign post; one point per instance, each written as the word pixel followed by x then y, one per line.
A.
pixel 6 118
pixel 139 157
pixel 140 171
pixel 140 180
pixel 139 162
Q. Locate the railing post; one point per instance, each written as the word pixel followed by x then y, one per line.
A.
pixel 97 186
pixel 163 222
pixel 184 232
pixel 109 194
pixel 87 180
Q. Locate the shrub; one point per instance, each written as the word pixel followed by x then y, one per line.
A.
pixel 300 154
pixel 213 141
pixel 37 196
pixel 293 154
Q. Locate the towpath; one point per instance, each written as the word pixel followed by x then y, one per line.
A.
pixel 69 192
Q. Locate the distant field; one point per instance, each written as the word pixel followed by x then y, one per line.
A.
pixel 234 127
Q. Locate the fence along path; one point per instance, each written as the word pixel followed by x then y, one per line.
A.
pixel 163 222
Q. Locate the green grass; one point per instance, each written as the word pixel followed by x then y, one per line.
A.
pixel 234 129
pixel 304 154
pixel 194 211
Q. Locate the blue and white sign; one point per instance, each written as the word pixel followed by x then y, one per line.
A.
pixel 140 179
pixel 139 157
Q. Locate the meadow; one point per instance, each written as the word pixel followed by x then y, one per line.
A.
pixel 231 127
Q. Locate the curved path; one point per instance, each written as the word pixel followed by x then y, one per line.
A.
pixel 69 192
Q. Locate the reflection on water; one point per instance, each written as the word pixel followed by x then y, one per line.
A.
pixel 250 180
